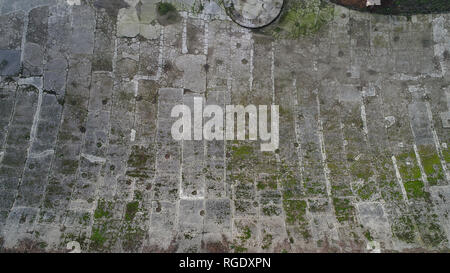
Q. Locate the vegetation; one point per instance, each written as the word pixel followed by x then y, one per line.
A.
pixel 131 210
pixel 103 209
pixel 302 18
pixel 431 165
pixel 409 170
pixel 295 210
pixel 415 189
pixel 366 190
pixel 403 228
pixel 267 241
pixel 167 14
pixel 242 151
pixel 368 236
pixel 98 237
pixel 238 247
pixel 344 209
pixel 361 169
pixel 165 8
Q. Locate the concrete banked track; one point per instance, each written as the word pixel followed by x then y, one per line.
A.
pixel 86 152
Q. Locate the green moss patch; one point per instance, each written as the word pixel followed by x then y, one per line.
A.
pixel 403 228
pixel 368 236
pixel 98 237
pixel 361 169
pixel 131 210
pixel 141 162
pixel 344 210
pixel 69 166
pixel 415 189
pixel 104 209
pixel 167 14
pixel 271 210
pixel 446 154
pixel 165 8
pixel 303 18
pixel 267 241
pixel 132 239
pixel 431 165
pixel 429 228
pixel 295 211
pixel 366 190
pixel 239 245
pixel 241 152
pixel 408 168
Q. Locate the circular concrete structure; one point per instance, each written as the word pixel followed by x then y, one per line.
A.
pixel 253 13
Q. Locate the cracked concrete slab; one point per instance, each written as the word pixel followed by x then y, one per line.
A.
pixel 86 152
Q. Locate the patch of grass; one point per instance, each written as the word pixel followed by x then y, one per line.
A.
pixel 103 209
pixel 317 205
pixel 362 170
pixel 431 231
pixel 343 209
pixel 366 191
pixel 132 239
pixel 336 168
pixel 43 245
pixel 408 168
pixel 98 237
pixel 303 18
pixel 415 189
pixel 267 241
pixel 69 166
pixel 138 157
pixel 239 249
pixel 403 229
pixel 84 220
pixel 295 211
pixel 241 152
pixel 271 210
pixel 261 186
pixel 138 195
pixel 314 187
pixel 342 189
pixel 446 154
pixel 131 210
pixel 167 14
pixel 368 236
pixel 380 42
pixel 431 165
pixel 140 162
pixel 247 234
pixel 165 8
pixel 286 114
pixel 197 7
pixel 268 182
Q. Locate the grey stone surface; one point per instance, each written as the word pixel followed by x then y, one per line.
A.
pixel 253 13
pixel 9 62
pixel 35 41
pixel 86 152
pixel 12 30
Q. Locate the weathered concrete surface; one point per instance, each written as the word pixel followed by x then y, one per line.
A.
pixel 86 152
pixel 9 62
pixel 253 13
